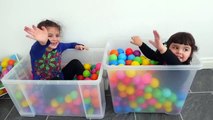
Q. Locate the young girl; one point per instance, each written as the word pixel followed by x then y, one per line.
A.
pixel 179 49
pixel 47 50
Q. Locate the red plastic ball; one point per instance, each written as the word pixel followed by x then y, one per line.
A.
pixel 128 62
pixel 80 77
pixel 94 77
pixel 129 51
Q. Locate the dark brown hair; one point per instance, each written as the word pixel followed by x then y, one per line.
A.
pixel 183 38
pixel 49 23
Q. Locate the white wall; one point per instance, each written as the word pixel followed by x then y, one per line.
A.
pixel 93 22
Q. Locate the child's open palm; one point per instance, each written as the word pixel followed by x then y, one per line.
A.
pixel 41 35
pixel 157 42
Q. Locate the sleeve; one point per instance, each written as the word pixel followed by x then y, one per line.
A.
pixel 170 58
pixel 65 46
pixel 37 49
pixel 148 52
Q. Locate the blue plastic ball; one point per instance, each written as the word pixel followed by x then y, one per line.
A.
pixel 131 57
pixel 122 56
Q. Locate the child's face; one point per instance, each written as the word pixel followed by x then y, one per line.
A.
pixel 53 36
pixel 182 51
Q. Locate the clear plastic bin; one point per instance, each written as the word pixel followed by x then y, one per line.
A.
pixel 83 98
pixel 148 88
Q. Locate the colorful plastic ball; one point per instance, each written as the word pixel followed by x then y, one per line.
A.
pixel 80 77
pixel 74 94
pixel 120 74
pixel 112 57
pixel 98 66
pixel 94 77
pixel 154 83
pixel 121 62
pixel 86 73
pixel 148 89
pixel 4 64
pixel 167 92
pixel 147 77
pixel 87 66
pixel 114 52
pixel 93 71
pixel 145 61
pixel 120 50
pixel 121 87
pixel 130 90
pixel 128 62
pixel 113 62
pixel 137 53
pixel 138 59
pixel 130 73
pixel 122 56
pixel 173 98
pixel 130 57
pixel 153 62
pixel 129 51
pixel 11 62
pixel 135 63
pixel 157 93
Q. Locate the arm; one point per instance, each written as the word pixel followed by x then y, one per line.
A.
pixel 147 51
pixel 170 58
pixel 73 45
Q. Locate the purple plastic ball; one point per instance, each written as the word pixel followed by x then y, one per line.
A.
pixel 137 53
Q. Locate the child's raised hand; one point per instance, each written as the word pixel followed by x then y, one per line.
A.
pixel 157 43
pixel 41 35
pixel 136 40
pixel 81 47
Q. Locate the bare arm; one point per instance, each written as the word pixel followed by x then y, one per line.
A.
pixel 41 35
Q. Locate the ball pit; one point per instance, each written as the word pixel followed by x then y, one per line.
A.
pixel 129 57
pixel 142 92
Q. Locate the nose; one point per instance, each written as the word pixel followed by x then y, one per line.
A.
pixel 179 51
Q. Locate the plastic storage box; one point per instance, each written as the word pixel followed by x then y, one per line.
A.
pixel 148 88
pixel 58 97
pixel 6 64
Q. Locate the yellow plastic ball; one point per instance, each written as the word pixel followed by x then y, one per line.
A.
pixel 87 66
pixel 158 105
pixel 130 73
pixel 60 111
pixel 24 103
pixel 54 103
pixel 147 96
pixel 130 90
pixel 4 64
pixel 155 83
pixel 135 63
pixel 121 87
pixel 146 62
pixel 68 99
pixel 133 104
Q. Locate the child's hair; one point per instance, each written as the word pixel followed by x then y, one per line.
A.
pixel 49 23
pixel 183 38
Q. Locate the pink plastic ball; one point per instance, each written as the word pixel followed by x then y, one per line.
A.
pixel 120 74
pixel 98 66
pixel 147 78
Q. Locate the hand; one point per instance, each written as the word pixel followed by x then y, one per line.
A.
pixel 157 43
pixel 41 35
pixel 136 40
pixel 81 47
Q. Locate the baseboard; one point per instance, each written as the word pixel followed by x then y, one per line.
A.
pixel 207 62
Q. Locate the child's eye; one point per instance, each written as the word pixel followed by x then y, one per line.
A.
pixel 50 36
pixel 186 49
pixel 57 35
